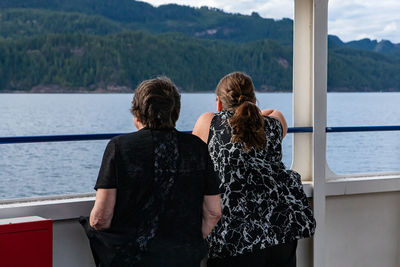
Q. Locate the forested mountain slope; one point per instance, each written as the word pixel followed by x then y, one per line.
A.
pixel 87 45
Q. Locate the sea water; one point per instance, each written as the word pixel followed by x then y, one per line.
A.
pixel 38 169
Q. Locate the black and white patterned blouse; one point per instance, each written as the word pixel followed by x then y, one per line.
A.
pixel 263 203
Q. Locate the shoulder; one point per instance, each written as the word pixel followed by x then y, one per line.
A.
pixel 205 118
pixel 273 125
pixel 192 148
pixel 191 140
pixel 202 126
pixel 277 119
pixel 272 120
pixel 139 139
pixel 125 137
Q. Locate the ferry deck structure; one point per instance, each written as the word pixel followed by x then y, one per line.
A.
pixel 358 216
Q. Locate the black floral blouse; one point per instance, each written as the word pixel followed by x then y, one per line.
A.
pixel 263 203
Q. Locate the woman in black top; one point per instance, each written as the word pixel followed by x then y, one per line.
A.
pixel 157 193
pixel 265 210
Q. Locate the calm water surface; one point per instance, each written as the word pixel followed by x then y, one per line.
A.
pixel 39 169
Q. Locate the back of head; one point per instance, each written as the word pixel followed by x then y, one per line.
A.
pixel 156 103
pixel 236 93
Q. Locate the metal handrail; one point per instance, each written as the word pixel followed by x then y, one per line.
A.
pixel 56 138
pixel 89 137
pixel 363 129
pixel 106 136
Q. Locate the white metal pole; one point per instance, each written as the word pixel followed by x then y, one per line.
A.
pixel 309 106
pixel 302 86
pixel 320 65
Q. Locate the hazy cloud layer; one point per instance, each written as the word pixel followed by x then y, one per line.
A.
pixel 348 19
pixel 356 19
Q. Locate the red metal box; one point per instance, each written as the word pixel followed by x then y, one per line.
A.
pixel 26 241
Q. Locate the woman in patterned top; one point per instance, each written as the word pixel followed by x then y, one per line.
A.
pixel 265 210
pixel 157 193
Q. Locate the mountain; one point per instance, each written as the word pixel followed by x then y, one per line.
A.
pixel 204 22
pixel 77 62
pixel 383 46
pixel 362 71
pixel 334 42
pixel 102 45
pixel 208 23
pixel 21 23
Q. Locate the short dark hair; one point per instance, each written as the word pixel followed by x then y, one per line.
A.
pixel 157 103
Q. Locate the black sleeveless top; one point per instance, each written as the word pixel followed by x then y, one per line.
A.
pixel 263 203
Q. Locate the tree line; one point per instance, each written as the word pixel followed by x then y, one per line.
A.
pixel 77 51
pixel 124 59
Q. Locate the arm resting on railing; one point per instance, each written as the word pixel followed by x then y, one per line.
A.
pixel 279 116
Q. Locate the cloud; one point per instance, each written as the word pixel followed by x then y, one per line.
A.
pixel 356 19
pixel 269 9
pixel 348 19
pixel 364 36
pixel 390 28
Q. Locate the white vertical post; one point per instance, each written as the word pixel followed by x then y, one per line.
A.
pixel 320 65
pixel 309 106
pixel 302 86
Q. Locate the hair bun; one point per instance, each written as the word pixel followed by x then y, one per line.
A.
pixel 243 99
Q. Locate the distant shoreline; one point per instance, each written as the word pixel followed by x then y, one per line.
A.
pixel 121 89
pixel 182 92
pixel 96 92
pixel 116 89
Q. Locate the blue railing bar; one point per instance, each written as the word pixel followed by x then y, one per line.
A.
pixel 106 136
pixel 300 129
pixel 89 137
pixel 362 129
pixel 56 138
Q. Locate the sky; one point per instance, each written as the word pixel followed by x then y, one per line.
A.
pixel 348 19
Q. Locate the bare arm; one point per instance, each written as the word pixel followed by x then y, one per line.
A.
pixel 277 115
pixel 211 213
pixel 202 126
pixel 103 210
